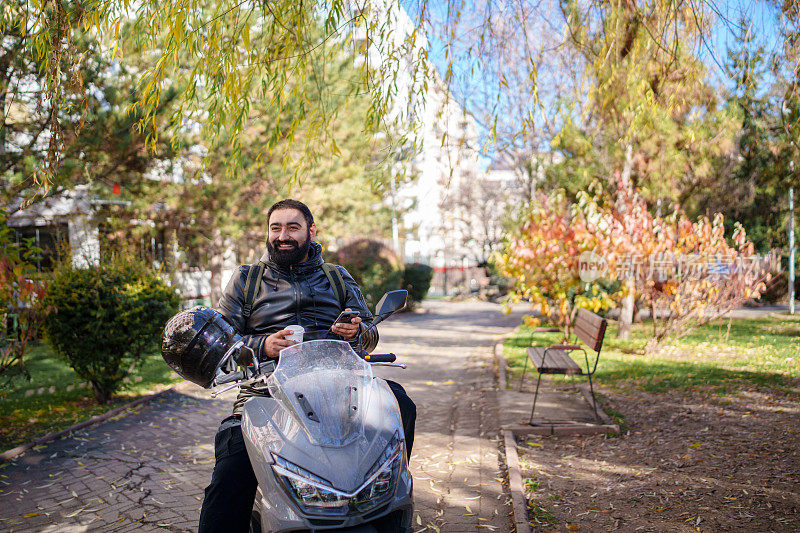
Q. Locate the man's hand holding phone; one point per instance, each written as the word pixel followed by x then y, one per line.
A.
pixel 346 325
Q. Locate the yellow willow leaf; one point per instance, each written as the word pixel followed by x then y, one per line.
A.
pixel 246 36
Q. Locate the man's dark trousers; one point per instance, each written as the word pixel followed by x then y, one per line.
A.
pixel 230 495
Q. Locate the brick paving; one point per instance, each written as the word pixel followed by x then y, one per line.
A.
pixel 456 460
pixel 146 471
pixel 142 471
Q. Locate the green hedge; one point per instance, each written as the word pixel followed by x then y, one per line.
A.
pixel 374 267
pixel 417 280
pixel 106 317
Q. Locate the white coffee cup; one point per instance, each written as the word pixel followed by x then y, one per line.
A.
pixel 297 333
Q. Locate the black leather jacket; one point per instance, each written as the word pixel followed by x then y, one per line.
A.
pixel 300 294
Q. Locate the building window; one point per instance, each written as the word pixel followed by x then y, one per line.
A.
pixel 45 242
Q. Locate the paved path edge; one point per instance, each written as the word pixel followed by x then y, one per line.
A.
pixel 519 505
pixel 13 453
pixel 502 366
pixel 518 502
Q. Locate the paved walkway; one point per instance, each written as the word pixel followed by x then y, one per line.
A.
pixel 146 471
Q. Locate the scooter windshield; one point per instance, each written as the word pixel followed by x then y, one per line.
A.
pixel 324 385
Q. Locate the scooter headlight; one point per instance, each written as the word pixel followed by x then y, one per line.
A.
pixel 315 495
pixel 382 477
pixel 312 493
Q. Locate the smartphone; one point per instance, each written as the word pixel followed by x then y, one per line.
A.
pixel 346 316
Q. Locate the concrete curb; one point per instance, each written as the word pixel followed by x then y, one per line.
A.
pixel 563 430
pixel 19 450
pixel 519 504
pixel 587 395
pixel 502 366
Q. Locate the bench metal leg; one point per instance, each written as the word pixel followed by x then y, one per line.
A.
pixel 535 396
pixel 594 400
pixel 524 368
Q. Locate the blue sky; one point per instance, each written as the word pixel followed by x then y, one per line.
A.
pixel 713 52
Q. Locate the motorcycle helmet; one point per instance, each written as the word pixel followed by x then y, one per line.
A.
pixel 197 342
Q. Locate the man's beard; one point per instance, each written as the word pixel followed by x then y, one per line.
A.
pixel 291 256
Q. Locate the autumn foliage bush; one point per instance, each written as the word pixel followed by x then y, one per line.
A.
pixel 21 295
pixel 541 258
pixel 687 272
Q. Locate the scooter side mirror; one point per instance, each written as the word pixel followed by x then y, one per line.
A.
pixel 391 302
pixel 245 357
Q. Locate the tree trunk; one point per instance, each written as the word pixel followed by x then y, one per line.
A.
pixel 626 315
pixel 637 312
pixel 100 394
pixel 3 92
pixel 653 317
pixel 215 265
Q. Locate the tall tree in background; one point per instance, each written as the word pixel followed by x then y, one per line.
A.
pixel 751 183
pixel 651 115
pixel 479 208
pixel 759 170
pixel 98 143
pixel 651 120
pixel 218 214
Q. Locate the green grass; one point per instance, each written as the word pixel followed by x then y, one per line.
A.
pixel 539 515
pixel 26 417
pixel 760 352
pixel 531 484
pixel 619 419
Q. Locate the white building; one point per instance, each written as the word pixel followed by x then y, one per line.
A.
pixel 66 217
pixel 448 158
pixel 446 148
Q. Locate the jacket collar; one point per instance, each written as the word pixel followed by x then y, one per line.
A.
pixel 313 262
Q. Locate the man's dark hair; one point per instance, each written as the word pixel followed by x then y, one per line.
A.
pixel 288 203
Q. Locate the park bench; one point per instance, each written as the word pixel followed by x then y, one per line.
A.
pixel 555 359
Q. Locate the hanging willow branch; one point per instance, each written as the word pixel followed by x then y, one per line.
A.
pixel 227 54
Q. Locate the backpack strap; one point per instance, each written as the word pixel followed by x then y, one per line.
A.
pixel 337 282
pixel 251 287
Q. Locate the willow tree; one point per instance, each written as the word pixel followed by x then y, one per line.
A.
pixel 91 130
pixel 227 55
pixel 214 210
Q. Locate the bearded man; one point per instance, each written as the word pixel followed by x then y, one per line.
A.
pixel 294 289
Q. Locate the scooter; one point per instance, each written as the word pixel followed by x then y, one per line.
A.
pixel 325 437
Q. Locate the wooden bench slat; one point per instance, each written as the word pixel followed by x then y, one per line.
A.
pixel 590 331
pixel 585 315
pixel 558 361
pixel 590 337
pixel 588 325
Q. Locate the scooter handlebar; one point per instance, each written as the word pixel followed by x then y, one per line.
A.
pixel 234 376
pixel 380 358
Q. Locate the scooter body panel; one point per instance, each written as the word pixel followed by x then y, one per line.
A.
pixel 274 428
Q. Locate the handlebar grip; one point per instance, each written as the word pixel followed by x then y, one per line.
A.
pixel 234 376
pixel 381 358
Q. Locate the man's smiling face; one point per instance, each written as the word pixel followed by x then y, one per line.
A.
pixel 289 237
